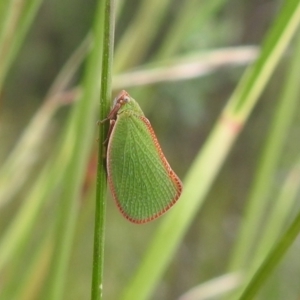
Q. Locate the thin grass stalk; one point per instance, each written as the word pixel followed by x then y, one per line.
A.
pixel 18 232
pixel 19 17
pixel 8 34
pixel 191 10
pixel 272 260
pixel 34 278
pixel 14 240
pixel 260 191
pixel 253 81
pixel 29 12
pixel 28 284
pixel 280 214
pixel 214 288
pixel 208 163
pixel 70 68
pixel 84 128
pixel 186 67
pixel 137 39
pixel 285 114
pixel 105 97
pixel 18 164
pixel 283 204
pixel 277 220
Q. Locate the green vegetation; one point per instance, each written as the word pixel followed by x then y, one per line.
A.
pixel 219 81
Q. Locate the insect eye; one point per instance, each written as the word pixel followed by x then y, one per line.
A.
pixel 126 99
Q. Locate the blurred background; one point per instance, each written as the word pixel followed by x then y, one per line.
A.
pixel 220 37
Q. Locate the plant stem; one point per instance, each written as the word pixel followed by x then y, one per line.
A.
pixel 107 58
pixel 81 129
pixel 272 260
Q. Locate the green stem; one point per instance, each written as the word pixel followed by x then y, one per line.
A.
pixel 19 17
pixel 208 163
pixel 82 125
pixel 107 58
pixel 259 198
pixel 8 33
pixel 272 260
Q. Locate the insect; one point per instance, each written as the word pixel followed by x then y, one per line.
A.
pixel 140 178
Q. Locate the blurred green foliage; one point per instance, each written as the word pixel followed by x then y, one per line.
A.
pixel 182 113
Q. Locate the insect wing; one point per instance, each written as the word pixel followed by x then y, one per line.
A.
pixel 141 180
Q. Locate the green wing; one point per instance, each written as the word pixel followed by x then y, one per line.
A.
pixel 141 181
